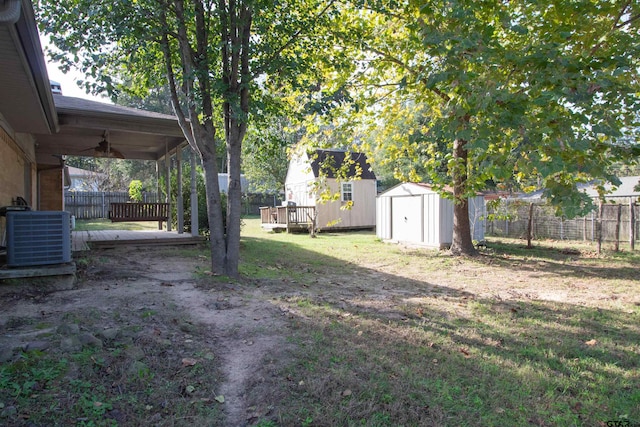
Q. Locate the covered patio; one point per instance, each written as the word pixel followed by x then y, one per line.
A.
pixel 108 239
pixel 96 129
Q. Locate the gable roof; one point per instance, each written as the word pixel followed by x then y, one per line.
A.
pixel 328 161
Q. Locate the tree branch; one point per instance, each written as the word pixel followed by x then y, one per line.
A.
pixel 292 39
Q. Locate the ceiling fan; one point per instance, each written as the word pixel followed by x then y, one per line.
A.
pixel 104 148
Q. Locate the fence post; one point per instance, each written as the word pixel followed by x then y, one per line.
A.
pixel 530 226
pixel 599 227
pixel 632 223
pixel 103 206
pixel 619 214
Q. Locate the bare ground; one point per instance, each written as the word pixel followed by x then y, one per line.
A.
pixel 244 326
pixel 157 294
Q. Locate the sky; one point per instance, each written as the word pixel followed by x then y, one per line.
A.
pixel 67 81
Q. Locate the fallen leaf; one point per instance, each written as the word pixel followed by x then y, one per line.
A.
pixel 591 342
pixel 347 393
pixel 190 389
pixel 465 352
pixel 219 398
pixel 187 361
pixel 97 404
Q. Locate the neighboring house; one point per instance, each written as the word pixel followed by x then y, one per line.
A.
pixel 414 213
pixel 309 174
pixel 223 182
pixel 84 180
pixel 627 189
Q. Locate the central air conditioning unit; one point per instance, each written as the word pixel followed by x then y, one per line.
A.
pixel 38 238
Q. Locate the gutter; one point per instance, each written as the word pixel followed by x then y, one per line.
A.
pixel 9 11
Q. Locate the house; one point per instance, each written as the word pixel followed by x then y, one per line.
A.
pixel 38 128
pixel 629 188
pixel 312 173
pixel 83 179
pixel 416 214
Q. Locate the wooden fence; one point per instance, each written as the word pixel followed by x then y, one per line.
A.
pixel 620 221
pixel 95 204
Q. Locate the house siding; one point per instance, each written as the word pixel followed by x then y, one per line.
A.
pixel 51 190
pixel 302 188
pixel 362 214
pixel 17 170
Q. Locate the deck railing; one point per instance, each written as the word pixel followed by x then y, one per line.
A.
pixel 288 216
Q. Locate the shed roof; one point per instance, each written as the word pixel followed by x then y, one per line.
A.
pixel 408 189
pixel 328 161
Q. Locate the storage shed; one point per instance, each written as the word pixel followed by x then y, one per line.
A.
pixel 414 213
pixel 312 172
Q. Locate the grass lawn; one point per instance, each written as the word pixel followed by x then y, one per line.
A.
pixel 369 333
pixel 388 336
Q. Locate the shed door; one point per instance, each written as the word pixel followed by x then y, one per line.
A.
pixel 407 219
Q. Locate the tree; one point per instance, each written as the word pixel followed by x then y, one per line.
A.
pixel 517 92
pixel 265 159
pixel 210 54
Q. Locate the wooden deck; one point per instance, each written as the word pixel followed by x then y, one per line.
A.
pixel 289 218
pixel 86 240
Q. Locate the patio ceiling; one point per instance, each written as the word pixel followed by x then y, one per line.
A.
pixel 83 124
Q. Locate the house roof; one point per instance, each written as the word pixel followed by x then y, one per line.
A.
pixel 625 189
pixel 328 161
pixel 26 102
pixel 82 173
pixel 137 134
pixel 65 125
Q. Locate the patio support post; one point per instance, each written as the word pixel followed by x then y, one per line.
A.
pixel 158 189
pixel 195 227
pixel 167 161
pixel 179 198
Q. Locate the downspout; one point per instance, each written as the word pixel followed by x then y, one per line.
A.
pixel 9 11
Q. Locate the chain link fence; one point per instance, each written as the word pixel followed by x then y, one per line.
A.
pixel 619 221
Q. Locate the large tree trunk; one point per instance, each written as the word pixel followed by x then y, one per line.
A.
pixel 462 243
pixel 234 203
pixel 214 214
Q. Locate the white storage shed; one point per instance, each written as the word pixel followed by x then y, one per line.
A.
pixel 414 213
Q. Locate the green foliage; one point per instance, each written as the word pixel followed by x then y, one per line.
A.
pixel 116 174
pixel 265 159
pixel 539 94
pixel 203 219
pixel 135 190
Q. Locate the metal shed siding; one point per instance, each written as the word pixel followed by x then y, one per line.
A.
pixel 383 218
pixel 477 214
pixel 430 219
pixel 407 219
pixel 414 214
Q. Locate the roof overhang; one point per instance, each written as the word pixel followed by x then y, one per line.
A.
pixel 137 134
pixel 26 102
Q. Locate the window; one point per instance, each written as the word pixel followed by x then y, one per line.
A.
pixel 347 192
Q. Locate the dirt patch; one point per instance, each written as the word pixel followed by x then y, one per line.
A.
pixel 148 318
pixel 149 337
